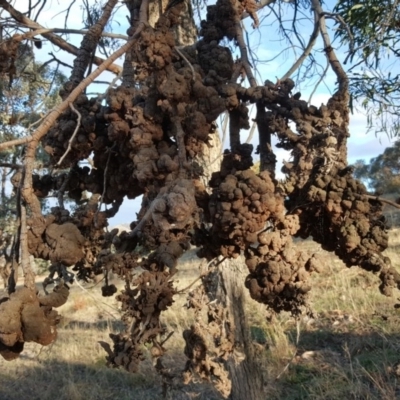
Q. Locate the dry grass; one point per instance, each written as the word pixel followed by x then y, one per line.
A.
pixel 347 347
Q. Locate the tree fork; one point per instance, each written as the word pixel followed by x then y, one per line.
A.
pixel 27 190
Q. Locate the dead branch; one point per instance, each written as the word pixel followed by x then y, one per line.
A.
pixel 31 34
pixel 264 120
pixel 382 199
pixel 138 228
pixel 224 127
pixel 84 32
pixel 238 68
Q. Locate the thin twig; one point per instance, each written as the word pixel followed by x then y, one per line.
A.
pixel 78 125
pixel 202 275
pixel 321 78
pixel 294 353
pixel 167 338
pixel 101 97
pixel 54 58
pixel 307 50
pixel 37 121
pixel 97 300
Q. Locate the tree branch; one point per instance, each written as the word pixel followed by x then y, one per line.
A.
pixel 15 142
pixel 338 18
pixel 88 46
pixel 84 32
pixel 243 53
pixel 341 75
pixel 50 119
pixel 381 199
pixel 29 276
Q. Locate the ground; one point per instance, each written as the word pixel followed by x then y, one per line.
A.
pixel 347 347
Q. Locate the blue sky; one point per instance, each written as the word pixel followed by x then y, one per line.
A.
pixel 268 45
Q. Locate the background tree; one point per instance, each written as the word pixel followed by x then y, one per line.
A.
pixel 382 174
pixel 24 99
pixel 145 137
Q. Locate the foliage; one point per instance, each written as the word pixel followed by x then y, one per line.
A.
pixel 372 32
pixel 32 92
